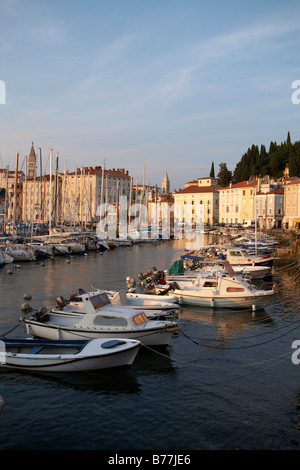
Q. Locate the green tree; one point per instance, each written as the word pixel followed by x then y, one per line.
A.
pixel 224 175
pixel 212 171
pixel 294 161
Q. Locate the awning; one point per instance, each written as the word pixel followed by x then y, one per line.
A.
pixel 297 221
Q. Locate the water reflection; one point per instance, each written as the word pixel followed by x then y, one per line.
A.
pixel 110 381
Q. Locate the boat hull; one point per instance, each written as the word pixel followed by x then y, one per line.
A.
pixel 92 357
pixel 149 337
pixel 214 301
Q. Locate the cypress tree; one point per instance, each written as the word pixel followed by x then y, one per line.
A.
pixel 212 171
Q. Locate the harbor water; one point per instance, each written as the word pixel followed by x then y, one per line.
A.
pixel 226 381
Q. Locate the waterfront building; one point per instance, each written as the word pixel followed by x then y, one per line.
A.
pixel 73 197
pixel 85 189
pixel 291 220
pixel 237 202
pixel 202 192
pixel 270 208
pixel 11 181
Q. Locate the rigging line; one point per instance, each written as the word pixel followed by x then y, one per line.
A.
pixel 5 334
pixel 286 268
pixel 252 336
pixel 238 347
pixel 281 357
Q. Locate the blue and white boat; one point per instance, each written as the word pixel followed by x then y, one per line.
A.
pixel 67 356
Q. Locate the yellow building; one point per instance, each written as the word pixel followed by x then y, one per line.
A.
pixel 204 193
pixel 73 197
pixel 291 218
pixel 237 203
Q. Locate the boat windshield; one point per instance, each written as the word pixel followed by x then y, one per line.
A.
pixel 244 252
pixel 99 300
pixel 235 253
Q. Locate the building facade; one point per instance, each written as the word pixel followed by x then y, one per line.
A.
pixel 203 193
pixel 291 220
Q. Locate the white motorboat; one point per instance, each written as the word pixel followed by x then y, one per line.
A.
pixel 237 256
pixel 67 356
pixel 252 272
pixel 252 243
pixel 92 315
pixel 222 291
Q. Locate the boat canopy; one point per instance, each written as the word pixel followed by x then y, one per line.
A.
pixel 177 268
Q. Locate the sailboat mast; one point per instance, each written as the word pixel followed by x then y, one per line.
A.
pixel 50 196
pixel 16 186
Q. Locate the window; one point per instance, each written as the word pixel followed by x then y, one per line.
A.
pixel 209 284
pixel 110 321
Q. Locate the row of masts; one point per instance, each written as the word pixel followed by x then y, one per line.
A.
pixel 53 211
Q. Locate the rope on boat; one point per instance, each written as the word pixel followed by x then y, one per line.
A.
pixel 5 334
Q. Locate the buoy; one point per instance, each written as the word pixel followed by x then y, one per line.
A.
pixel 42 264
pixel 9 271
pixel 68 261
pixel 27 296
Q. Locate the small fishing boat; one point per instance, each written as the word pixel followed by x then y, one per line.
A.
pixel 220 290
pixel 91 315
pixel 239 257
pixel 182 269
pixel 67 356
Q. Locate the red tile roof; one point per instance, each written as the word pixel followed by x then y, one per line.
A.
pixel 199 189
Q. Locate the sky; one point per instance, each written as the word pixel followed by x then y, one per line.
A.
pixel 147 85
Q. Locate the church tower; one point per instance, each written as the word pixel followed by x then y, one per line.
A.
pixel 165 184
pixel 31 163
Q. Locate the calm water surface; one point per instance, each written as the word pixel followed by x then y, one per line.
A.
pixel 226 381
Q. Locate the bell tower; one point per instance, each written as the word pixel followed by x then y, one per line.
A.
pixel 165 184
pixel 31 163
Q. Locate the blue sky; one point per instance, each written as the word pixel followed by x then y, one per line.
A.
pixel 165 85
